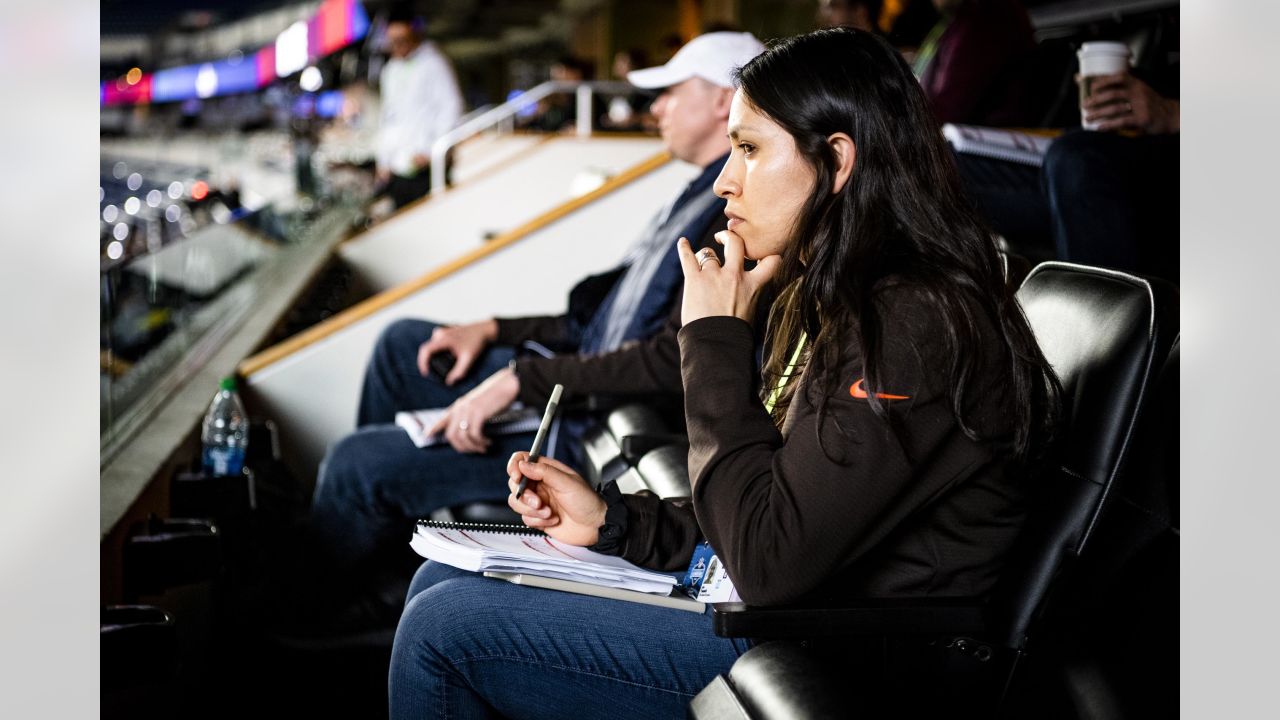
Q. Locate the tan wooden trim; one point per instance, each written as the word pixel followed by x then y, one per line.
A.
pixel 361 310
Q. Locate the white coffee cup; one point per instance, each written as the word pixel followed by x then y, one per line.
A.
pixel 1100 58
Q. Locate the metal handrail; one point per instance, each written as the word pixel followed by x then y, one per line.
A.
pixel 502 113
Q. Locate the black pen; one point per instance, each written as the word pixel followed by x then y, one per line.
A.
pixel 538 439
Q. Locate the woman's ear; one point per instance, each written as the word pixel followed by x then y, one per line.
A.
pixel 846 155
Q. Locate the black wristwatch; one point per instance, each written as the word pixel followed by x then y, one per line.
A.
pixel 614 528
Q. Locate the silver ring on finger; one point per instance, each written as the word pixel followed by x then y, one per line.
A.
pixel 463 425
pixel 704 255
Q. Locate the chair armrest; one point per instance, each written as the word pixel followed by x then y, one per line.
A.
pixel 861 617
pixel 780 680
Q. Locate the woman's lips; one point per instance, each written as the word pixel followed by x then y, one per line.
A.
pixel 734 222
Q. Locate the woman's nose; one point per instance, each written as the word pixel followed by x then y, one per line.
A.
pixel 726 185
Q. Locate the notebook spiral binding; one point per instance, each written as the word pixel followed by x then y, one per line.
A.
pixel 496 528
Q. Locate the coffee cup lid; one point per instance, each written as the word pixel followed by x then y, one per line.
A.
pixel 1104 48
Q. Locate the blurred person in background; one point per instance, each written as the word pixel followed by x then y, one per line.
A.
pixel 350 141
pixel 304 131
pixel 1100 197
pixel 420 102
pixel 559 111
pixel 857 14
pixel 1112 193
pixel 629 112
pixel 972 64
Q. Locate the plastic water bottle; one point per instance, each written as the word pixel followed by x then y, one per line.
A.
pixel 225 433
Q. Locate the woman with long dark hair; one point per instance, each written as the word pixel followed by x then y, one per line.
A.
pixel 904 398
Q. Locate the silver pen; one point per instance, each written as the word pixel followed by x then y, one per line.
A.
pixel 541 437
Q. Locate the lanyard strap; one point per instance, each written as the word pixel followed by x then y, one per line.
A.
pixel 928 48
pixel 786 376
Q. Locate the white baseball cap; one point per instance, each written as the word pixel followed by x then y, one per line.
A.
pixel 712 57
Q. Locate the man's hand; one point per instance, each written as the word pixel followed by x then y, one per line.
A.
pixel 556 501
pixel 463 422
pixel 466 342
pixel 1123 102
pixel 710 289
pixel 381 176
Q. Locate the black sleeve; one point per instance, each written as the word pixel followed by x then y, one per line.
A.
pixel 549 330
pixel 661 534
pixel 643 367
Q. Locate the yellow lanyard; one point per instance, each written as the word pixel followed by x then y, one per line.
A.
pixel 786 376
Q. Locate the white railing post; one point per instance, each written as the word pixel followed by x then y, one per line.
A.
pixel 503 114
pixel 584 110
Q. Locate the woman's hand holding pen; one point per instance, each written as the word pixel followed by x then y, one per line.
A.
pixel 711 289
pixel 556 501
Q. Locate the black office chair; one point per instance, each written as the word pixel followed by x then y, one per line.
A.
pixel 779 680
pixel 606 458
pixel 1107 334
pixel 663 471
pixel 139 653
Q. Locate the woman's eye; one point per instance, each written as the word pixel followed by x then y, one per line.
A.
pixel 746 148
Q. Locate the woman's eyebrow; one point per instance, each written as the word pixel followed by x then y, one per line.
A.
pixel 737 130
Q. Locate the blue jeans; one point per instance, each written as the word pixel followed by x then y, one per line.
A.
pixel 472 647
pixel 1113 201
pixel 374 483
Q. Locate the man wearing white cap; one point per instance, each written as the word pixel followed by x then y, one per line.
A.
pixel 697 85
pixel 620 331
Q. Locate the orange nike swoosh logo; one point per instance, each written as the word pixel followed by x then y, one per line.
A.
pixel 856 390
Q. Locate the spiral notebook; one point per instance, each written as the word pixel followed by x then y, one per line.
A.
pixel 481 547
pixel 1011 145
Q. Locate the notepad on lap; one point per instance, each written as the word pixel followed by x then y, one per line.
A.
pixel 502 548
pixel 517 419
pixel 1011 145
pixel 676 601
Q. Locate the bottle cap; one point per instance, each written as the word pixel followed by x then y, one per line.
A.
pixel 228 383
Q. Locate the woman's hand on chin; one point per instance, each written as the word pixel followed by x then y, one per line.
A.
pixel 711 289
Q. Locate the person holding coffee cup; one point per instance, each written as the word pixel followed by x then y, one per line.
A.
pixel 1109 187
pixel 1113 99
pixel 1103 193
